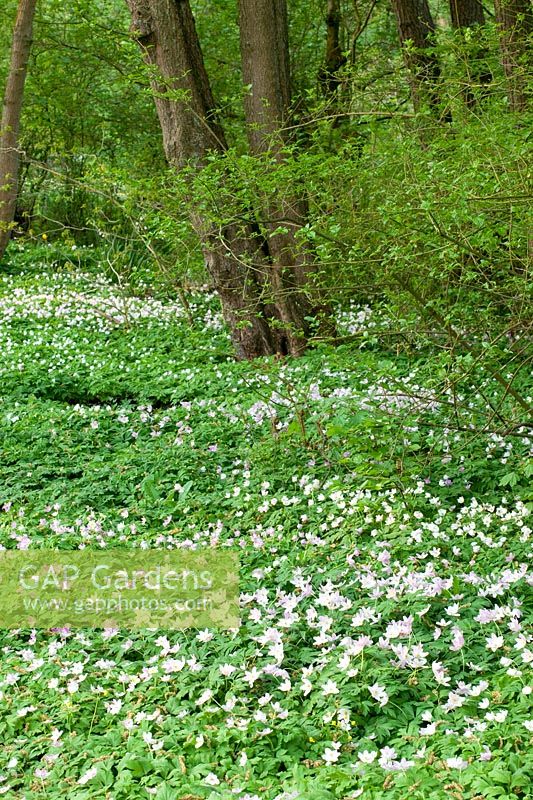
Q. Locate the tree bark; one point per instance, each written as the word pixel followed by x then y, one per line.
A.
pixel 266 69
pixel 166 33
pixel 264 38
pixel 334 58
pixel 415 28
pixel 11 111
pixel 515 20
pixel 466 13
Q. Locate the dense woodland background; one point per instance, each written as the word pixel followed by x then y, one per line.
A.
pixel 358 150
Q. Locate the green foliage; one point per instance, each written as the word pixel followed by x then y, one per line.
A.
pixel 378 491
pixel 347 491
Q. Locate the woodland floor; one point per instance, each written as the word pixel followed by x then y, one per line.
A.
pixel 385 644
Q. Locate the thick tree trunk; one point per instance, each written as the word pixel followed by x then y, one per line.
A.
pixel 466 13
pixel 415 28
pixel 166 33
pixel 264 38
pixel 515 19
pixel 266 68
pixel 11 111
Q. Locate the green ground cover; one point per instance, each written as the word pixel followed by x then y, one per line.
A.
pixel 382 518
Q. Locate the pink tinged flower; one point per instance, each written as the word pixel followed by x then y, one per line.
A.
pixel 402 627
pixel 229 705
pixel 87 776
pixel 386 757
pixel 456 763
pixel 418 656
pixel 276 652
pixel 211 779
pixel 113 707
pixel 481 687
pixel 494 642
pixel 164 644
pixel 458 639
pixel 172 665
pixel 251 676
pixel 344 662
pixel 401 765
pixel 454 701
pixel 440 673
pixel 204 697
pixel 497 716
pixel 485 616
pixel 24 543
pixel 42 773
pixel 367 756
pixel 485 754
pixel 329 688
pixel 379 693
pixel 154 744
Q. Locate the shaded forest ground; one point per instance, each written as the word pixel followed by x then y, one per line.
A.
pixel 382 517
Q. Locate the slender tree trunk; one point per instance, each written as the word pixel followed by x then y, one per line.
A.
pixel 415 28
pixel 264 38
pixel 166 33
pixel 11 111
pixel 465 15
pixel 515 19
pixel 334 59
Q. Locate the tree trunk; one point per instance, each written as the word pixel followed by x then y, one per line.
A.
pixel 415 28
pixel 466 14
pixel 334 59
pixel 11 111
pixel 264 38
pixel 515 19
pixel 166 33
pixel 266 68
